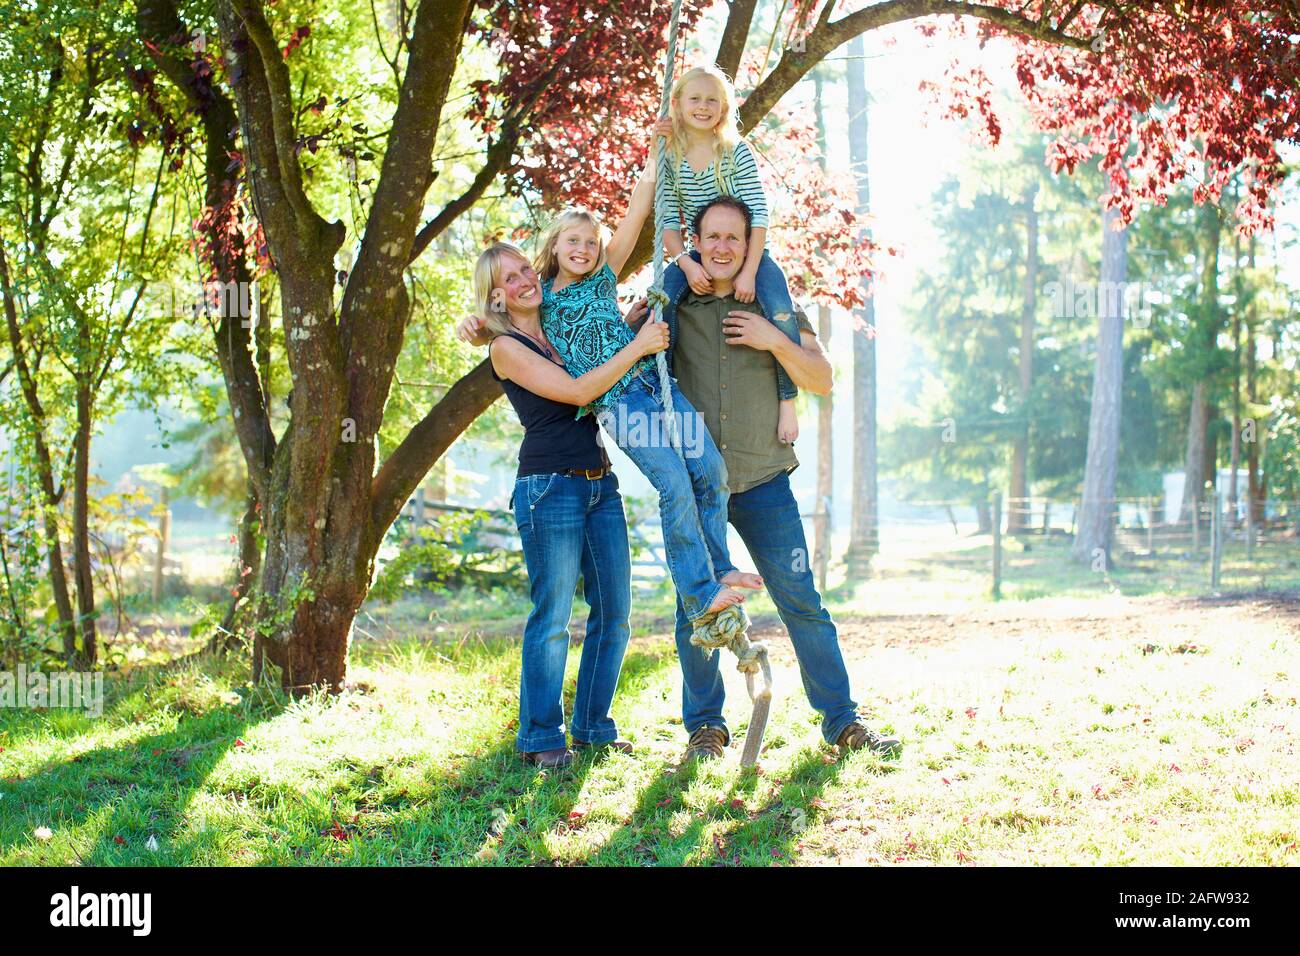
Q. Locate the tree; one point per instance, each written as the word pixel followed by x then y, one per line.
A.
pixel 1018 499
pixel 1096 521
pixel 1204 360
pixel 864 523
pixel 79 247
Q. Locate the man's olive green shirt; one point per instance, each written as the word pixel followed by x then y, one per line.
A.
pixel 734 388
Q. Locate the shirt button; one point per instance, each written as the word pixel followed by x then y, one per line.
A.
pixel 724 446
pixel 724 384
pixel 724 418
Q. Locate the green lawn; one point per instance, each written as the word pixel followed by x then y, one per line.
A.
pixel 1158 733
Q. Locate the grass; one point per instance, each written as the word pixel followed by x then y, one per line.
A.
pixel 1167 738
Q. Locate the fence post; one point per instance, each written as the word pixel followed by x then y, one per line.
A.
pixel 1196 526
pixel 1151 526
pixel 419 509
pixel 996 507
pixel 1047 518
pixel 160 557
pixel 824 538
pixel 1250 529
pixel 1216 540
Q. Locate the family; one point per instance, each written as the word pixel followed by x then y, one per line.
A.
pixel 568 359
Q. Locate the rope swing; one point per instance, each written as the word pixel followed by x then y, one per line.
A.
pixel 728 627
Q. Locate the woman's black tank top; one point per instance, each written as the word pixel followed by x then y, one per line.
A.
pixel 554 440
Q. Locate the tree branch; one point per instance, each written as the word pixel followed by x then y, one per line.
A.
pixel 156 22
pixel 828 36
pixel 406 467
pixel 732 45
pixel 279 99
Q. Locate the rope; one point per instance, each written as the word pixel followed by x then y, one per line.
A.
pixel 727 629
pixel 656 293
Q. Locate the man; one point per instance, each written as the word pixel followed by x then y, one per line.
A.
pixel 724 359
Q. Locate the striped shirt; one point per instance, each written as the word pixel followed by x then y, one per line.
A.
pixel 684 192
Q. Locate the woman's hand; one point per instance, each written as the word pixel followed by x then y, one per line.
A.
pixel 473 330
pixel 637 311
pixel 652 338
pixel 699 280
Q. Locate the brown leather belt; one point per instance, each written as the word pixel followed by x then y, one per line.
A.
pixel 591 474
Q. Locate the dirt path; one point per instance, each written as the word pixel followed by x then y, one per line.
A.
pixel 1179 620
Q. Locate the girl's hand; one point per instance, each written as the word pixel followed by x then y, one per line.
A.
pixel 744 287
pixel 472 330
pixel 664 127
pixel 652 338
pixel 696 277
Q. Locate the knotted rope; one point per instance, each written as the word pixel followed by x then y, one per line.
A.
pixel 728 628
pixel 656 293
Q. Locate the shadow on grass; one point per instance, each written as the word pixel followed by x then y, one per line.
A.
pixel 488 806
pixel 126 793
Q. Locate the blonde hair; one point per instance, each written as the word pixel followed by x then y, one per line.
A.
pixel 546 263
pixel 726 134
pixel 487 273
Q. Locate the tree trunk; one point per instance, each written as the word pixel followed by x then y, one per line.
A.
pixel 825 403
pixel 1254 500
pixel 1204 335
pixel 864 540
pixel 50 495
pixel 1234 462
pixel 1018 517
pixel 1096 516
pixel 250 563
pixel 81 528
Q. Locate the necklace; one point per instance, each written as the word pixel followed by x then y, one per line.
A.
pixel 545 347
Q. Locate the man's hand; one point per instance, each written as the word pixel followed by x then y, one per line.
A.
pixel 636 312
pixel 748 328
pixel 743 287
pixel 472 330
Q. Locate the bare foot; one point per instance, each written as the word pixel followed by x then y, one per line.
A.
pixel 743 579
pixel 787 422
pixel 726 597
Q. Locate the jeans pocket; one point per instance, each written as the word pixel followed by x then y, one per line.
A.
pixel 538 486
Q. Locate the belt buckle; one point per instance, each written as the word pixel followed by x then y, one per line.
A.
pixel 592 474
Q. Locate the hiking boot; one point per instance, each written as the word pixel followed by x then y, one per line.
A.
pixel 856 736
pixel 549 759
pixel 706 743
pixel 622 746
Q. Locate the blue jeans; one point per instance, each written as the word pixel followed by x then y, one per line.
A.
pixel 767 518
pixel 770 292
pixel 692 486
pixel 570 526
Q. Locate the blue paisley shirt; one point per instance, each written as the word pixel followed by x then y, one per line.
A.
pixel 584 324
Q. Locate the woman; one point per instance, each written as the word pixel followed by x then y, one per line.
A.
pixel 566 506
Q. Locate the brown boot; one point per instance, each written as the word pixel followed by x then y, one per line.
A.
pixel 622 746
pixel 857 736
pixel 549 759
pixel 707 743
